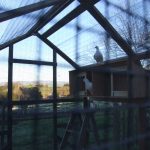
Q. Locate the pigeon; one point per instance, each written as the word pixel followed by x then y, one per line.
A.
pixel 88 85
pixel 98 55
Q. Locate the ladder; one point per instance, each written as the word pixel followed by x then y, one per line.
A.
pixel 78 128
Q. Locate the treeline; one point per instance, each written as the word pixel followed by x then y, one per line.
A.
pixel 33 91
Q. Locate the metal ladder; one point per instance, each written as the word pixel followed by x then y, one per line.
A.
pixel 79 132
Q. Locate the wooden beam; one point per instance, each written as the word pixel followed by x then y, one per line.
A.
pixel 41 23
pixel 49 16
pixel 55 145
pixel 69 17
pixel 47 101
pixel 9 96
pixel 27 9
pixel 137 100
pixel 110 29
pixel 13 41
pixel 73 14
pixel 34 62
pixel 143 55
pixel 55 48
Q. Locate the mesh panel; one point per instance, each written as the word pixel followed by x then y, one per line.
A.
pixel 6 5
pixel 20 25
pixel 59 16
pixel 80 36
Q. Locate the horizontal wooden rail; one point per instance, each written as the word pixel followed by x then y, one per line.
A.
pixel 136 100
pixel 45 101
pixel 123 72
pixel 108 99
pixel 34 62
pixel 27 9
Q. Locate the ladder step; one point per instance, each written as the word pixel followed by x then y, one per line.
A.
pixel 77 131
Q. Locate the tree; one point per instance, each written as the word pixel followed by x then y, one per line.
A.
pixel 3 92
pixel 135 30
pixel 32 93
pixel 2 97
pixel 16 91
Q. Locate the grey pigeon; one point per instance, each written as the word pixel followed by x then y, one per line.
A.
pixel 98 55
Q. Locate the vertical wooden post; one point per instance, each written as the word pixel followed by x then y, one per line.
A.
pixel 85 102
pixel 86 106
pixel 112 84
pixel 147 87
pixel 55 101
pixel 143 143
pixel 130 96
pixel 116 126
pixel 3 119
pixel 9 103
pixel 142 128
pixel 130 78
pixel 146 119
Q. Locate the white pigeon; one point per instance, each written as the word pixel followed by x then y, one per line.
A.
pixel 98 55
pixel 88 85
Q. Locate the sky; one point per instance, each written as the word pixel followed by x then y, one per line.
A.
pixel 32 48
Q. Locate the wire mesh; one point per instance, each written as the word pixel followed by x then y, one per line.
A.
pixel 9 5
pixel 91 34
pixel 120 125
pixel 111 120
pixel 20 25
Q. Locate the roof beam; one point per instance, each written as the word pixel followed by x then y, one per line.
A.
pixel 27 9
pixel 33 62
pixel 13 41
pixel 69 17
pixel 110 29
pixel 57 50
pixel 143 55
pixel 50 15
pixel 73 14
pixel 43 21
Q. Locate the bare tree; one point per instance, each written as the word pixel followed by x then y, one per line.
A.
pixel 135 30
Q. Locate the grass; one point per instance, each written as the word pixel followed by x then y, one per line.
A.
pixel 33 135
pixel 38 134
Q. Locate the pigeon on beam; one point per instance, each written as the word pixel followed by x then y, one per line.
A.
pixel 98 55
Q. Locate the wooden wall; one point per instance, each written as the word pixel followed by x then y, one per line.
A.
pixel 120 82
pixel 101 84
pixel 102 81
pixel 138 82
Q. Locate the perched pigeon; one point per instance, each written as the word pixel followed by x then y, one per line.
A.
pixel 98 55
pixel 88 85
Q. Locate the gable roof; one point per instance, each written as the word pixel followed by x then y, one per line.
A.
pixel 28 17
